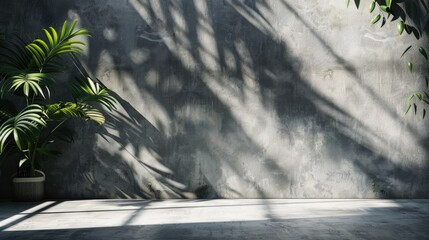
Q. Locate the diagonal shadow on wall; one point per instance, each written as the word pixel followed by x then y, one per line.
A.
pixel 214 103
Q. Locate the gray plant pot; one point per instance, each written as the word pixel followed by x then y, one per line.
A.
pixel 29 189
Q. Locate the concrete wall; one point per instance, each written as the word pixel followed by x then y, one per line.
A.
pixel 239 99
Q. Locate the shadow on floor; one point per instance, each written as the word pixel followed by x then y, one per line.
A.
pixel 292 219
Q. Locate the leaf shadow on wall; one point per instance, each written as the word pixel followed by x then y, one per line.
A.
pixel 214 104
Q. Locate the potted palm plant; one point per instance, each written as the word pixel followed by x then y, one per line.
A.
pixel 29 120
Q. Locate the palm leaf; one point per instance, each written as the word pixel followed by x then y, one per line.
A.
pixel 42 52
pixel 94 115
pixel 88 91
pixel 23 127
pixel 29 83
pixel 64 111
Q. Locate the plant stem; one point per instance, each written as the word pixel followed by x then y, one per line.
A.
pixel 32 160
pixel 54 129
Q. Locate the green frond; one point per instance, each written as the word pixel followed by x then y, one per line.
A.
pixel 54 35
pixel 42 52
pixel 63 29
pixel 23 127
pixel 30 83
pixel 94 115
pixel 42 43
pixel 88 91
pixel 64 111
pixel 71 28
pixel 49 37
pixel 82 32
pixel 6 82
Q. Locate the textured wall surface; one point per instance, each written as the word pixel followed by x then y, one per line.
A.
pixel 239 99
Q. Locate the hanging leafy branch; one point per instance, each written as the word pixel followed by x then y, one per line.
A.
pixel 411 17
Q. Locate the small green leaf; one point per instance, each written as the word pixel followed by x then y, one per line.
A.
pixel 71 28
pixel 401 26
pixel 375 19
pixel 22 161
pixel 372 7
pixel 49 37
pixel 348 3
pixel 63 30
pixel 388 3
pixel 410 66
pixel 409 98
pixel 18 140
pixel 54 35
pixel 406 50
pixel 384 8
pixel 423 52
pixel 419 96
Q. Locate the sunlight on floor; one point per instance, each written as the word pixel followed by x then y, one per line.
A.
pixel 114 213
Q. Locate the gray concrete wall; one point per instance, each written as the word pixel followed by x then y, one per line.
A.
pixel 239 99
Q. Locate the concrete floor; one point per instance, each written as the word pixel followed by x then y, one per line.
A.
pixel 216 219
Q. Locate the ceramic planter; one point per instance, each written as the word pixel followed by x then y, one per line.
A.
pixel 30 189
